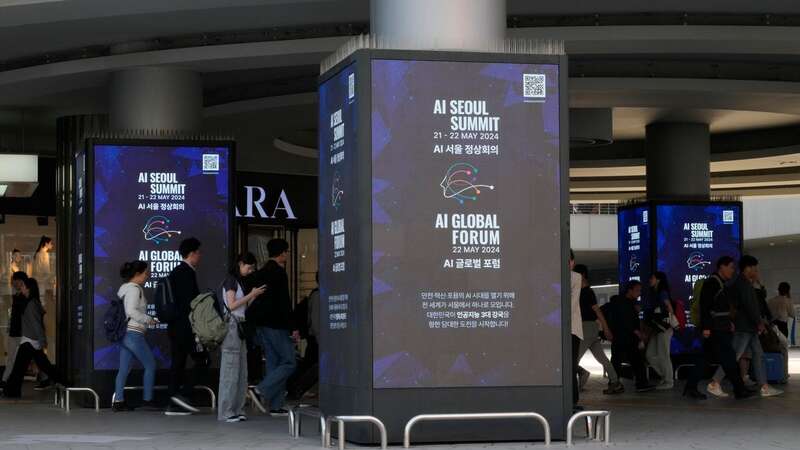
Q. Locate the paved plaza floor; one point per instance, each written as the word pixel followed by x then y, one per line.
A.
pixel 658 420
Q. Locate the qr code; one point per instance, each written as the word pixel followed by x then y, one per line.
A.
pixel 351 86
pixel 533 85
pixel 727 216
pixel 210 163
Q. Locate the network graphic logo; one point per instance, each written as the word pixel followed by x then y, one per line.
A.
pixel 337 193
pixel 633 264
pixel 459 183
pixel 697 261
pixel 157 230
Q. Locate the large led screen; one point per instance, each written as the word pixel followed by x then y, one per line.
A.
pixel 466 212
pixel 690 239
pixel 338 228
pixel 146 199
pixel 633 232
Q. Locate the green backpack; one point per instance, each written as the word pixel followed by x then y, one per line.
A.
pixel 207 323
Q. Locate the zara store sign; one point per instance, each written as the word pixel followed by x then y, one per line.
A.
pixel 276 199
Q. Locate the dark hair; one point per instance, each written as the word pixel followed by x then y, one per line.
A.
pixel 33 287
pixel 19 276
pixel 724 261
pixel 276 247
pixel 16 250
pixel 131 269
pixel 663 284
pixel 42 242
pixel 631 285
pixel 571 255
pixel 582 269
pixel 188 246
pixel 747 261
pixel 244 258
pixel 784 288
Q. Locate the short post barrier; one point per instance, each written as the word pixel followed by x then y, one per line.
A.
pixel 254 400
pixel 341 420
pixel 475 416
pixel 309 411
pixel 603 416
pixel 66 397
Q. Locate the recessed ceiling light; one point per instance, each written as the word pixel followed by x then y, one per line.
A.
pixel 772 244
pixel 3 188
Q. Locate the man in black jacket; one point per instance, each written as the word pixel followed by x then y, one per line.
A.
pixel 276 331
pixel 623 319
pixel 18 304
pixel 183 279
pixel 748 322
pixel 717 331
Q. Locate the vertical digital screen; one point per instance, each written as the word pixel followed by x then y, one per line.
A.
pixel 633 232
pixel 338 228
pixel 146 199
pixel 690 240
pixel 466 224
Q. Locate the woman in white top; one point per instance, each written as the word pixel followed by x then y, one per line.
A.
pixel 233 366
pixel 134 344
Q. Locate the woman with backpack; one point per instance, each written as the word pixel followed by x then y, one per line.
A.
pixel 133 344
pixel 660 316
pixel 233 366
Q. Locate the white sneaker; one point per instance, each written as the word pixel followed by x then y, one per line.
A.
pixel 716 390
pixel 769 391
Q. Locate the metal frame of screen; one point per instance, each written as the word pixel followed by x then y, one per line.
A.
pixel 103 380
pixel 396 406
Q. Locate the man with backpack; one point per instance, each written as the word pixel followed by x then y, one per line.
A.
pixel 711 314
pixel 272 315
pixel 183 283
pixel 622 315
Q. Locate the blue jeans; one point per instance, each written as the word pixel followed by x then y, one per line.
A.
pixel 744 342
pixel 279 352
pixel 135 345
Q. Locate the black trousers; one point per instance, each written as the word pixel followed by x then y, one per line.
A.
pixel 576 348
pixel 719 347
pixel 782 326
pixel 182 347
pixel 628 352
pixel 307 373
pixel 25 355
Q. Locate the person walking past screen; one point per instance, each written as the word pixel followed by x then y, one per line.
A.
pixel 748 322
pixel 276 331
pixel 233 364
pixel 133 345
pixel 782 308
pixel 183 280
pixel 18 303
pixel 716 328
pixel 657 316
pixel 576 326
pixel 622 315
pixel 591 315
pixel 33 341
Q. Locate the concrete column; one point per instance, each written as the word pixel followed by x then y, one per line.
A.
pixel 156 98
pixel 439 24
pixel 678 161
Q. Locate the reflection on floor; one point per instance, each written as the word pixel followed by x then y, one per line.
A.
pixel 658 420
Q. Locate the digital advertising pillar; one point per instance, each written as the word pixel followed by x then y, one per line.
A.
pixel 682 239
pixel 136 200
pixel 444 242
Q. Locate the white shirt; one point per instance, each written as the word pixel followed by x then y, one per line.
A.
pixel 576 283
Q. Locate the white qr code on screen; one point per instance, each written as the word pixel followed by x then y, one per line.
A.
pixel 533 85
pixel 210 163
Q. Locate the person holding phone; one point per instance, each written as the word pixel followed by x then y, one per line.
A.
pixel 233 365
pixel 135 273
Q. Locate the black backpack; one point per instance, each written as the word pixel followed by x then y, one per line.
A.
pixel 115 321
pixel 166 308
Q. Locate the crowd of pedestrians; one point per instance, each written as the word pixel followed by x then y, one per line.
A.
pixel 737 326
